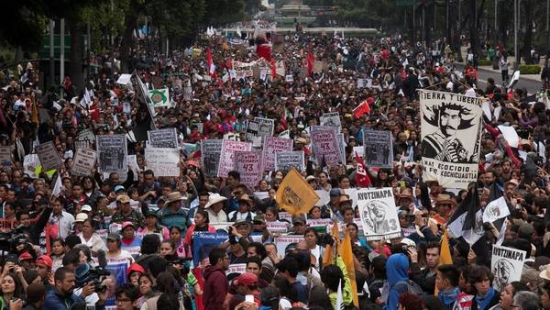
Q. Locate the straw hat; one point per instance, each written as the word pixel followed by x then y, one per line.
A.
pixel 175 196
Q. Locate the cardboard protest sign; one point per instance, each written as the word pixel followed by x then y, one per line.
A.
pixel 286 243
pixel 203 243
pixel 331 120
pixel 227 162
pixel 378 213
pixel 163 161
pixel 378 148
pixel 273 146
pixel 267 126
pixel 496 210
pixel 5 155
pixel 249 165
pixel 277 227
pixel 83 163
pixel 295 195
pixel 48 155
pixel 510 135
pixel 506 266
pixel 160 97
pixel 252 133
pixel 287 160
pixel 210 156
pixel 111 153
pixel 163 138
pixel 325 146
pixel 451 137
pixel 86 135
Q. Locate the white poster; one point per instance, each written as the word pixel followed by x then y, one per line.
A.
pixel 5 155
pixel 506 266
pixel 111 153
pixel 84 161
pixel 227 162
pixel 286 160
pixel 163 162
pixel 48 155
pixel 332 120
pixel 210 156
pixel 249 165
pixel 272 146
pixel 286 243
pixel 163 138
pixel 451 129
pixel 378 213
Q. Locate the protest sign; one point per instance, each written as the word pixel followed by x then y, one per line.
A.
pixel 236 269
pixel 266 127
pixel 496 210
pixel 318 222
pixel 83 163
pixel 82 144
pixel 163 161
pixel 289 78
pixel 229 147
pixel 273 146
pixel 506 266
pixel 510 135
pixel 295 195
pixel 277 227
pixel 286 160
pixel 285 134
pixel 378 213
pixel 286 243
pixel 5 155
pixel 451 136
pixel 249 165
pixel 252 131
pixel 203 243
pixel 163 138
pixel 160 97
pixel 325 146
pixel 111 153
pixel 378 148
pixel 210 156
pixel 86 135
pixel 359 150
pixel 324 197
pixel 48 155
pixel 331 120
pixel 341 147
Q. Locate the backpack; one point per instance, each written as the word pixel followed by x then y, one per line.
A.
pixel 411 287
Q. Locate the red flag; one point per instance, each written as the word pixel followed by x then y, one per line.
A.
pixel 264 50
pixel 310 62
pixel 210 63
pixel 198 298
pixel 362 178
pixel 361 109
pixel 273 68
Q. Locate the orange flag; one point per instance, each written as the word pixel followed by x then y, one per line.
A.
pixel 328 256
pixel 347 256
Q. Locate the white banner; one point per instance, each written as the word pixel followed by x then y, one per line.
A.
pixel 506 266
pixel 451 129
pixel 273 146
pixel 229 147
pixel 378 213
pixel 496 210
pixel 83 163
pixel 331 120
pixel 287 242
pixel 163 138
pixel 163 162
pixel 111 153
pixel 286 160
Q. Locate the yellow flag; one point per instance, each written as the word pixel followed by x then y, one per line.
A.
pixel 295 195
pixel 328 256
pixel 445 257
pixel 35 117
pixel 347 256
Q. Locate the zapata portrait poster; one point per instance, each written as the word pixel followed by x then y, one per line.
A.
pixel 451 136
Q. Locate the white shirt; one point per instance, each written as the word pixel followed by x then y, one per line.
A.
pixel 470 93
pixel 65 221
pixel 221 217
pixel 95 243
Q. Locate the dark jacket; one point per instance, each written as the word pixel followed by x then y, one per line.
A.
pixel 57 301
pixel 215 287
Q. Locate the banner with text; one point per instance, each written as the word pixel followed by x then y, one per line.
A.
pixel 163 162
pixel 506 266
pixel 273 146
pixel 378 213
pixel 249 165
pixel 163 138
pixel 293 159
pixel 83 163
pixel 229 147
pixel 48 155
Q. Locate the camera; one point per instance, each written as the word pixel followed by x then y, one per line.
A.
pixel 8 240
pixel 85 275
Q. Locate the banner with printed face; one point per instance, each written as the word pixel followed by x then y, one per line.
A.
pixel 83 163
pixel 325 145
pixel 210 156
pixel 249 165
pixel 378 148
pixel 163 162
pixel 273 146
pixel 163 138
pixel 267 126
pixel 203 243
pixel 86 135
pixel 252 133
pixel 48 155
pixel 286 243
pixel 506 265
pixel 293 159
pixel 496 210
pixel 111 153
pixel 378 213
pixel 229 148
pixel 451 131
pixel 331 120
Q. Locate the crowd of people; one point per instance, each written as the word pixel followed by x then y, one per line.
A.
pixel 126 240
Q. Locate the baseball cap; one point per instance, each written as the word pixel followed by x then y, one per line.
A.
pixel 246 278
pixel 45 260
pixel 134 267
pixel 81 217
pixel 335 192
pixel 298 219
pixel 25 256
pixel 86 208
pixel 259 219
pixel 126 224
pixel 119 188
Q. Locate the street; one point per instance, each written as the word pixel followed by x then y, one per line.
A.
pixel 531 85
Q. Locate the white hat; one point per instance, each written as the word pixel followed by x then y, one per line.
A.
pixel 81 217
pixel 214 198
pixel 86 208
pixel 408 242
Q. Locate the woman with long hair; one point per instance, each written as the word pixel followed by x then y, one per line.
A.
pixel 58 252
pixel 201 225
pixel 12 289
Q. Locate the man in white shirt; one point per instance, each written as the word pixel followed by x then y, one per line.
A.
pixel 62 220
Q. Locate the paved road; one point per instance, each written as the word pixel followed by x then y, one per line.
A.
pixel 531 86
